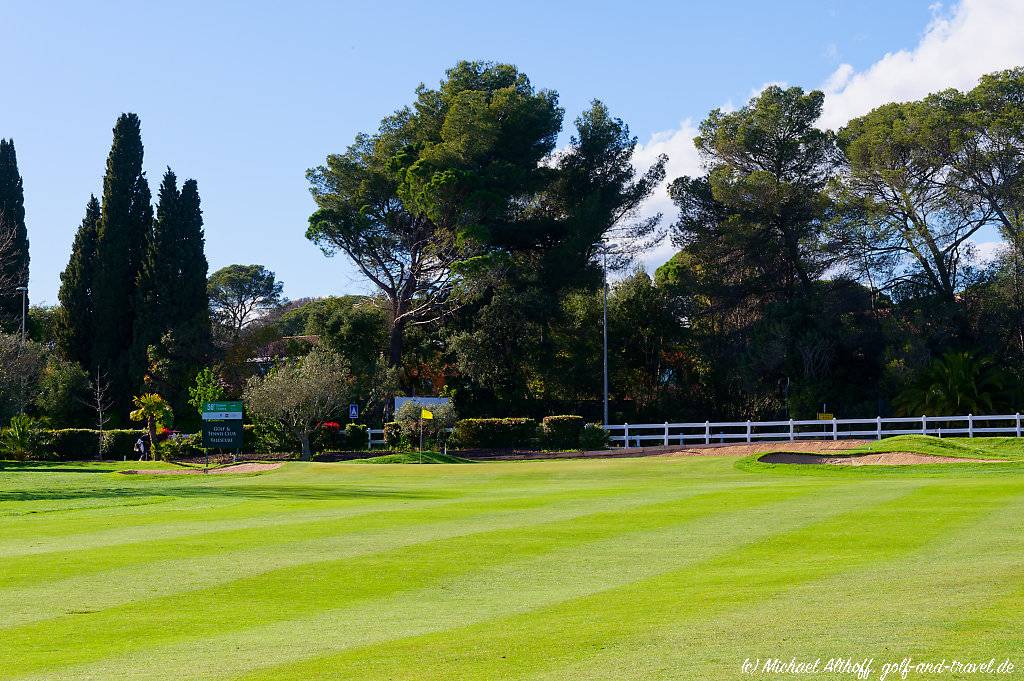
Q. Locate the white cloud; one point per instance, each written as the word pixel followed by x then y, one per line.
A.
pixel 987 251
pixel 977 37
pixel 683 159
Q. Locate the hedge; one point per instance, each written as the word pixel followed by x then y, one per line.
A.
pixel 117 444
pixel 594 437
pixel 357 436
pixel 562 432
pixel 507 433
pixel 70 444
pixel 79 444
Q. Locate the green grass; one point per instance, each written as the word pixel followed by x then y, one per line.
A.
pixel 413 457
pixel 1008 448
pixel 649 568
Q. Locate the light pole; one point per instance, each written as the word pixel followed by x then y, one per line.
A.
pixel 24 295
pixel 604 327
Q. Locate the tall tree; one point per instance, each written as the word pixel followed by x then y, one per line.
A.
pixel 241 294
pixel 14 265
pixel 126 220
pixel 438 178
pixel 172 321
pixel 761 207
pixel 75 326
pixel 907 224
pixel 156 286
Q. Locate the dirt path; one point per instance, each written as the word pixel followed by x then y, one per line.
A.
pixel 881 459
pixel 237 468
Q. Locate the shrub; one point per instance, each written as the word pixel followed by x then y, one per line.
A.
pixel 507 433
pixel 71 444
pixel 562 432
pixel 180 447
pixel 593 436
pixel 116 444
pixel 22 438
pixel 356 436
pixel 393 434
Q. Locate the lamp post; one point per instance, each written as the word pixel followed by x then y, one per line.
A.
pixel 604 327
pixel 24 302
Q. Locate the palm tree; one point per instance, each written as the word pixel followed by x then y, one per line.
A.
pixel 154 410
pixel 956 383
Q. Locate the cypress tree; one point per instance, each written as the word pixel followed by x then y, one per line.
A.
pixel 193 300
pixel 156 291
pixel 173 323
pixel 75 328
pixel 125 223
pixel 14 267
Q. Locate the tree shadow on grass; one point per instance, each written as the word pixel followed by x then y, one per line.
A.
pixel 312 493
pixel 50 467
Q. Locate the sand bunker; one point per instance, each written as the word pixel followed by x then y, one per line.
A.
pixel 237 468
pixel 880 459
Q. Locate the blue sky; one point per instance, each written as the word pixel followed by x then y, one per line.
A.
pixel 246 96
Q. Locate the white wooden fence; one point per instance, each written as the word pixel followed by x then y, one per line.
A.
pixel 708 432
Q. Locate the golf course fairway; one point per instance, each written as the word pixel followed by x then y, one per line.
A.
pixel 632 568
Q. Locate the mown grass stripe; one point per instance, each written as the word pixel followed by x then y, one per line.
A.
pixel 555 637
pixel 222 557
pixel 928 601
pixel 300 592
pixel 466 597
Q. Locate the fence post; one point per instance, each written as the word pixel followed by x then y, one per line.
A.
pixel 835 430
pixel 879 421
pixel 1018 424
pixel 666 433
pixel 792 435
pixel 369 438
pixel 625 435
pixel 748 430
pixel 924 424
pixel 970 425
pixel 707 430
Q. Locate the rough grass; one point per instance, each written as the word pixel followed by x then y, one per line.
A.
pixel 1008 448
pixel 648 568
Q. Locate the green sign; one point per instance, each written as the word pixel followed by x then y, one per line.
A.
pixel 222 425
pixel 222 407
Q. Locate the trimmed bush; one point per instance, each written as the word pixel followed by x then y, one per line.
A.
pixel 117 444
pixel 356 436
pixel 181 447
pixel 74 444
pixel 508 433
pixel 393 434
pixel 562 432
pixel 593 437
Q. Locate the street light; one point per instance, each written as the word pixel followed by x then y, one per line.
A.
pixel 604 327
pixel 24 303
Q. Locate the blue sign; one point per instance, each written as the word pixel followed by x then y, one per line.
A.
pixel 353 411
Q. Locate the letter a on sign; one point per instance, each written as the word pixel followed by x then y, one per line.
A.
pixel 353 411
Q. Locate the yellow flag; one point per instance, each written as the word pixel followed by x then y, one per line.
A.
pixel 426 414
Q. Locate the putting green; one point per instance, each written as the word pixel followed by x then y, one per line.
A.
pixel 652 568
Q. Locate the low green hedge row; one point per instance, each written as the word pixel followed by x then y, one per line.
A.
pixel 554 432
pixel 83 443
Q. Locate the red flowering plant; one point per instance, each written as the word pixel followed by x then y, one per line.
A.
pixel 332 426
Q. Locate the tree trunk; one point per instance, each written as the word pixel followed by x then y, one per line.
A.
pixel 151 424
pixel 395 344
pixel 307 452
